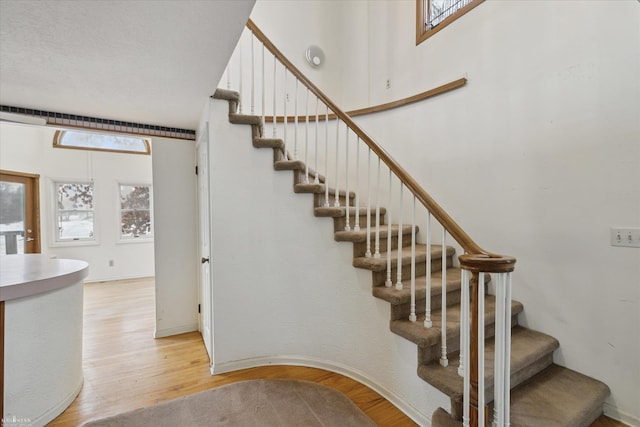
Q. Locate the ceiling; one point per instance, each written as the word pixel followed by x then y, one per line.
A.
pixel 144 61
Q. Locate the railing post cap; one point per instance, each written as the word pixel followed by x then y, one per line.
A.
pixel 487 263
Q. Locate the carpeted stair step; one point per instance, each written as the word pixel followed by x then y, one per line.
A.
pixel 339 215
pixel 531 352
pixel 428 339
pixel 557 397
pixel 400 300
pixel 244 119
pixel 288 165
pixel 260 142
pixel 360 236
pixel 380 264
pixel 319 188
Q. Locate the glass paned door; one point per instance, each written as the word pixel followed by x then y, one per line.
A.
pixel 19 219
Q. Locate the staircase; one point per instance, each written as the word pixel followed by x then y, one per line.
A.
pixel 542 393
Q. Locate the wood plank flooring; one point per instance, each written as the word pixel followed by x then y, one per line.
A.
pixel 126 368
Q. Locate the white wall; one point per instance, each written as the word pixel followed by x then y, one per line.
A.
pixel 284 291
pixel 546 133
pixel 176 262
pixel 30 149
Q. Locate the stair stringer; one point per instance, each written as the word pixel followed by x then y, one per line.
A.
pixel 284 291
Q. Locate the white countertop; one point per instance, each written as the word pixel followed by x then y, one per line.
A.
pixel 32 274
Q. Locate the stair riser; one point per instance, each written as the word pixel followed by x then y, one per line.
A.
pixel 431 353
pixel 402 311
pixel 319 199
pixel 340 222
pixel 380 277
pixel 360 248
pixel 517 378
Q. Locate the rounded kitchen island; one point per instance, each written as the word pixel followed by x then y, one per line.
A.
pixel 41 311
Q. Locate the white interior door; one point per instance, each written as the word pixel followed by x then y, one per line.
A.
pixel 206 327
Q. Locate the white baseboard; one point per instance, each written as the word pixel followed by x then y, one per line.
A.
pixel 406 408
pixel 175 331
pixel 51 413
pixel 615 413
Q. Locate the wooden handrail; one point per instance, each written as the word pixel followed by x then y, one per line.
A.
pixel 427 201
pixel 447 87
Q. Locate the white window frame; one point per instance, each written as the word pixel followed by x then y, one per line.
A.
pixel 133 239
pixel 79 241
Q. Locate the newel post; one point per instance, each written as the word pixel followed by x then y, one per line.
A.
pixel 475 408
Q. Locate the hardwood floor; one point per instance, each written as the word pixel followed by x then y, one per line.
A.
pixel 126 368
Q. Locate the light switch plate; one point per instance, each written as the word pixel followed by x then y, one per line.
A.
pixel 625 237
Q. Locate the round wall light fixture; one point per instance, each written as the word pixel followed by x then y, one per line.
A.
pixel 314 56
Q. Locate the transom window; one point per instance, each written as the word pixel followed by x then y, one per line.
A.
pixel 136 219
pixel 434 15
pixel 101 142
pixel 74 211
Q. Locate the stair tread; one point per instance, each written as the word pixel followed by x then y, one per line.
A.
pixel 425 337
pixel 380 264
pixel 557 397
pixel 319 188
pixel 527 346
pixel 361 235
pixel 244 119
pixel 226 94
pixel 288 165
pixel 341 211
pixel 261 142
pixel 402 296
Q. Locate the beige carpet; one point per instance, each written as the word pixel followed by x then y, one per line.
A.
pixel 261 403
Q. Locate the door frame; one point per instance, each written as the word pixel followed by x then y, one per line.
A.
pixel 205 288
pixel 32 207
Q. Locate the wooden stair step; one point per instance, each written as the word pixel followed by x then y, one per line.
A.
pixel 557 397
pixel 360 236
pixel 380 264
pixel 403 296
pixel 426 337
pixel 531 352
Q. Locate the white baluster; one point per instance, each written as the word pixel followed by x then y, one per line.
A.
pixel 240 103
pixel 481 399
pixel 228 71
pixel 306 140
pixel 346 143
pixel 412 315
pixel 498 360
pixel 399 266
pixel 336 199
pixel 316 179
pixel 274 96
pixel 506 387
pixel 285 121
pixel 428 323
pixel 466 388
pixel 389 282
pixel 326 157
pixel 377 250
pixel 444 361
pixel 464 326
pixel 368 253
pixel 356 224
pixel 295 129
pixel 253 83
pixel 264 95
